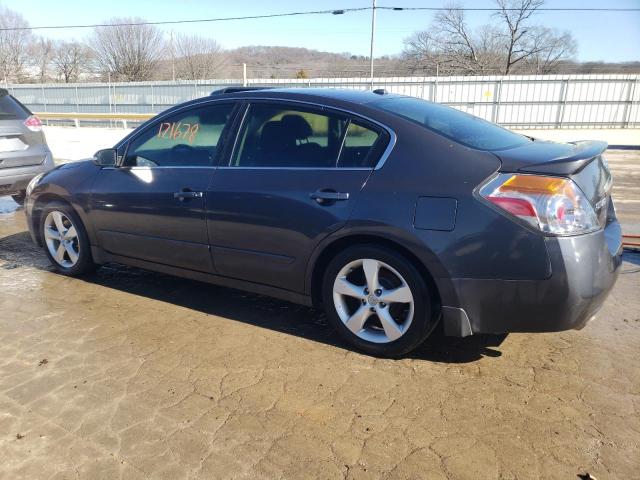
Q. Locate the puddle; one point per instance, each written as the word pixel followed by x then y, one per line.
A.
pixel 7 205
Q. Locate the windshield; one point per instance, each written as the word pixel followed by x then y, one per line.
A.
pixel 466 129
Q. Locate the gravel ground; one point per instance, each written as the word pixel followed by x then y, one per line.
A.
pixel 129 374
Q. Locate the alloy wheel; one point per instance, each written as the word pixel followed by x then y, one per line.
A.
pixel 61 238
pixel 373 300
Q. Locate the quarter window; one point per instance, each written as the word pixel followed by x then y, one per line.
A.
pixel 188 138
pixel 281 136
pixel 461 127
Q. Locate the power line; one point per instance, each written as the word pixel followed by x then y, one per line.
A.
pixel 490 9
pixel 312 12
pixel 200 20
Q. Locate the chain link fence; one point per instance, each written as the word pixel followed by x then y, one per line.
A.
pixel 515 101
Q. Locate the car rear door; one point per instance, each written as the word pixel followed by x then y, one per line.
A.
pixel 293 178
pixel 151 207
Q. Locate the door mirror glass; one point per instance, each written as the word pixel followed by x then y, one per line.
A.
pixel 106 157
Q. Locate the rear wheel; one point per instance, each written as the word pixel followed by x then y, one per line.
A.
pixel 377 300
pixel 19 198
pixel 65 240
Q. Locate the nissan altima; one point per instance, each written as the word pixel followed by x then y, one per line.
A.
pixel 390 212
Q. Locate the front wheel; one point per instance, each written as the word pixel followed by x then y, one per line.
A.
pixel 65 240
pixel 377 300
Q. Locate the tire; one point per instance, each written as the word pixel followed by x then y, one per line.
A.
pixel 74 257
pixel 346 296
pixel 19 198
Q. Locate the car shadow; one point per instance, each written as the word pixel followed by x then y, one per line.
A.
pixel 18 250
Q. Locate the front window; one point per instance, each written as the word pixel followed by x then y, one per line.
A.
pixel 461 127
pixel 284 136
pixel 186 139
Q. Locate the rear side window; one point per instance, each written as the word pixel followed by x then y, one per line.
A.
pixel 461 127
pixel 185 139
pixel 286 136
pixel 11 109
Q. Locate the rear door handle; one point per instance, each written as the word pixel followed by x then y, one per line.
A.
pixel 187 194
pixel 325 197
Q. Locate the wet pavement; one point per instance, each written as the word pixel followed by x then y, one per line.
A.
pixel 130 374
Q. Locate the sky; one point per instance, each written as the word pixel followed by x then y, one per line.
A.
pixel 601 36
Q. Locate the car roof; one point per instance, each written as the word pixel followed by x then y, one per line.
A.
pixel 341 94
pixel 329 96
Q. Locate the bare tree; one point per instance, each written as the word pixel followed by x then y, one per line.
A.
pixel 498 48
pixel 552 49
pixel 451 46
pixel 129 52
pixel 41 53
pixel 70 59
pixel 197 57
pixel 515 14
pixel 420 52
pixel 14 44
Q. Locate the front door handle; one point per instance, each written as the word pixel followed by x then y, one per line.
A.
pixel 328 197
pixel 187 194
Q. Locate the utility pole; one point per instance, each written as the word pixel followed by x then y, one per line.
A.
pixel 373 32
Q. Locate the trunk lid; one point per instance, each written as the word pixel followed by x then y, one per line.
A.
pixel 582 161
pixel 19 146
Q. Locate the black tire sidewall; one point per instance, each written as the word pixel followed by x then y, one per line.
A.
pixel 422 323
pixel 85 260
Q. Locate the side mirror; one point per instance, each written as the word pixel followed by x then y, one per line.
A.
pixel 106 158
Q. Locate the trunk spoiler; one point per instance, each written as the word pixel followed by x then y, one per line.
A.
pixel 570 162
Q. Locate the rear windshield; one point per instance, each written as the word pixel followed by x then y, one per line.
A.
pixel 11 109
pixel 466 129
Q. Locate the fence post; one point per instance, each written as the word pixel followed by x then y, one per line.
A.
pixel 44 101
pixel 244 74
pixel 153 99
pixel 497 92
pixel 435 90
pixel 563 100
pixel 77 106
pixel 626 115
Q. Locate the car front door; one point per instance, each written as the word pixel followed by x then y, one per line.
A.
pixel 151 207
pixel 292 179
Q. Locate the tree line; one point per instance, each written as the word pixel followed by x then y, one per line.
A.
pixel 124 50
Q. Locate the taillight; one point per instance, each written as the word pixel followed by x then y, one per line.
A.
pixel 552 205
pixel 33 123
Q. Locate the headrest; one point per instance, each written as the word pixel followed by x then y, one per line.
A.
pixel 296 126
pixel 275 138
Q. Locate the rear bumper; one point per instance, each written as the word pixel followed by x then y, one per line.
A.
pixel 16 179
pixel 584 270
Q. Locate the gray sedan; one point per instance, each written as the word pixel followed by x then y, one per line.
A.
pixel 391 213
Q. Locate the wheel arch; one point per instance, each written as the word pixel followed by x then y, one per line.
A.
pixel 38 207
pixel 331 249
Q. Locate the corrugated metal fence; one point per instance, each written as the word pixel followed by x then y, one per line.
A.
pixel 523 101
